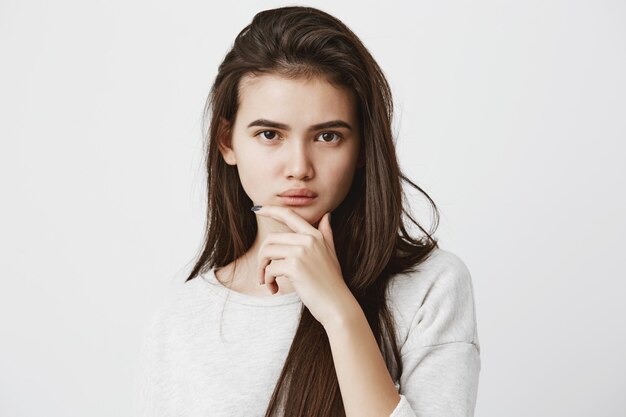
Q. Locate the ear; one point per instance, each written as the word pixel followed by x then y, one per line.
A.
pixel 224 141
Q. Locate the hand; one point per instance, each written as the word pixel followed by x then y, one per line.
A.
pixel 308 259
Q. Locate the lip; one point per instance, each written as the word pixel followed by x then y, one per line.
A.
pixel 298 192
pixel 297 201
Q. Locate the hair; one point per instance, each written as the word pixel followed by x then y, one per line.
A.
pixel 371 239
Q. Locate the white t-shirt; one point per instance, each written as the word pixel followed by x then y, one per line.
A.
pixel 211 351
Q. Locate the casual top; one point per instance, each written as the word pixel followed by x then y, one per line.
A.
pixel 212 351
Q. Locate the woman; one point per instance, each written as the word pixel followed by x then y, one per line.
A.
pixel 289 310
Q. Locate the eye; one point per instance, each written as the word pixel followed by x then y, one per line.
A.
pixel 329 135
pixel 267 134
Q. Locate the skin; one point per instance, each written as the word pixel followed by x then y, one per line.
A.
pixel 271 160
pixel 294 247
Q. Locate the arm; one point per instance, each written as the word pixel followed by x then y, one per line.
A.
pixel 441 353
pixel 145 387
pixel 440 381
pixel 366 386
pixel 440 356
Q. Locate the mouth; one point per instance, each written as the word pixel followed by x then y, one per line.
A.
pixel 297 200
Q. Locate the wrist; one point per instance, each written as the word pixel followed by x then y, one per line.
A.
pixel 347 312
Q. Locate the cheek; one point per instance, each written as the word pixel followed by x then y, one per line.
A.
pixel 339 178
pixel 255 176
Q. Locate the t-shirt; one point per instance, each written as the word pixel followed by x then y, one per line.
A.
pixel 211 351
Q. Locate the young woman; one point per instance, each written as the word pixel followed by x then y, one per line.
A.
pixel 317 302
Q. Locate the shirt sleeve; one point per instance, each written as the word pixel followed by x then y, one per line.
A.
pixel 441 356
pixel 149 389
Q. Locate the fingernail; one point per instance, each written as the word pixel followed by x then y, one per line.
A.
pixel 255 208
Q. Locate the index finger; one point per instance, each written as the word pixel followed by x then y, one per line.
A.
pixel 287 216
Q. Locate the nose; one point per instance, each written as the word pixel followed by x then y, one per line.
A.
pixel 299 163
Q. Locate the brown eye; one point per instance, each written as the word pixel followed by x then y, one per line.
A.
pixel 271 134
pixel 330 136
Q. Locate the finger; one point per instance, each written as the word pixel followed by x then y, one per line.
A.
pixel 273 287
pixel 272 252
pixel 288 217
pixel 277 238
pixel 286 238
pixel 326 229
pixel 275 269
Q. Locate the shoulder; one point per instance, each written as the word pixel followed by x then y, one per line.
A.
pixel 441 268
pixel 434 304
pixel 182 302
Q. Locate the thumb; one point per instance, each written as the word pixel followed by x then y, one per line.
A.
pixel 327 231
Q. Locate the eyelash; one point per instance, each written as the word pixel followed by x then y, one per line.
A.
pixel 338 135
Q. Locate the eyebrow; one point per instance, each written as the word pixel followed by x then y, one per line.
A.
pixel 325 125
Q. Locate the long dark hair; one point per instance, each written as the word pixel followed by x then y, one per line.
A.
pixel 371 238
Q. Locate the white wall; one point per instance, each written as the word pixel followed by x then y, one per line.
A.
pixel 510 114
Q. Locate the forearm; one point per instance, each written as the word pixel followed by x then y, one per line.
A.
pixel 366 386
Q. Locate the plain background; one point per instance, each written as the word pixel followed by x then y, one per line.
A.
pixel 510 114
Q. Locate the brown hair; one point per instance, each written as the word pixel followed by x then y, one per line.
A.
pixel 371 239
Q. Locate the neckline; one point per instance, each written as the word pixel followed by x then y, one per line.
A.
pixel 226 293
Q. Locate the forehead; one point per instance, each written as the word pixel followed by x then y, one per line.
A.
pixel 300 100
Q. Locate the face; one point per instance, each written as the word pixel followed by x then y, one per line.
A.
pixel 294 133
